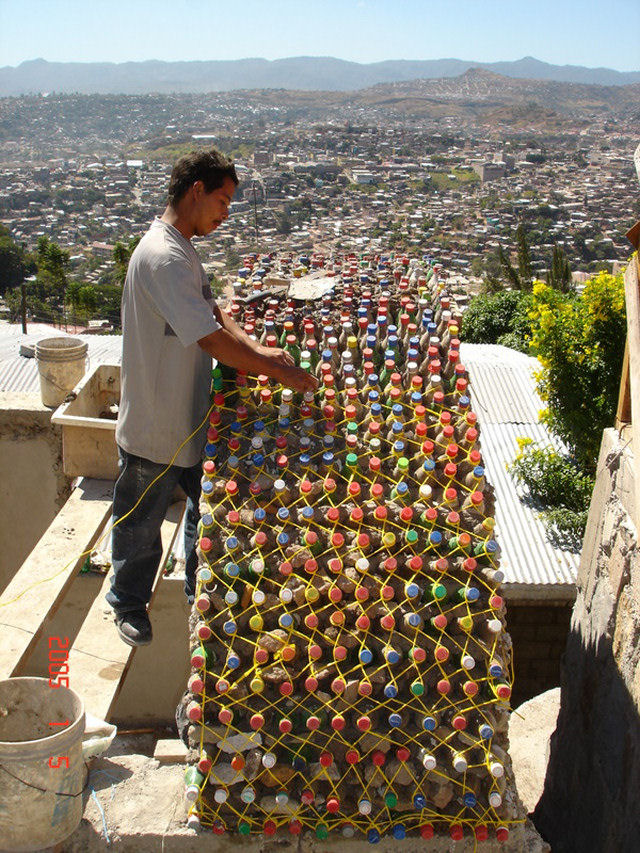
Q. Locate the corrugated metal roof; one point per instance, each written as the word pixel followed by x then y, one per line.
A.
pixel 504 396
pixel 20 374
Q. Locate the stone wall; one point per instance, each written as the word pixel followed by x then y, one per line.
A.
pixel 590 799
pixel 33 486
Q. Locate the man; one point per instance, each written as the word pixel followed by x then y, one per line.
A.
pixel 171 328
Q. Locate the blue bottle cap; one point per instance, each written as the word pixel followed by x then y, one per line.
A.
pixel 207 488
pixel 373 836
pixel 432 328
pixel 327 457
pixel 429 723
pixel 307 513
pixel 286 620
pixel 258 460
pixel 412 590
pixel 328 441
pixel 372 329
pixel 211 450
pixel 236 428
pixel 392 341
pixel 326 355
pixel 283 539
pixel 395 720
pixel 362 311
pixel 397 427
pixel 229 627
pixel 233 461
pixel 373 379
pixel 233 661
pixel 284 423
pixel 472 593
pixel 365 656
pixel 389 354
pixel 470 800
pixel 231 597
pixel 419 802
pixel 258 426
pixel 259 515
pixel 426 319
pixel 491 546
pixel 376 408
pixel 283 513
pixel 478 471
pixel 392 656
pixel 232 570
pixel 207 520
pixel 393 330
pixel 382 321
pixel 298 763
pixel 495 670
pixel 390 691
pixel 414 342
pixel 399 831
pixel 231 542
pixel 305 458
pixel 429 464
pixel 435 537
pixel 485 731
pixel 463 402
pixel 396 409
pixel 416 397
pixel 413 619
pixel 402 488
pixel 412 355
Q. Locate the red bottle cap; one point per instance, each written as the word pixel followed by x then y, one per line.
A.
pixel 388 622
pixel 285 568
pixel 363 623
pixel 402 753
pixel 332 805
pixel 256 722
pixel 443 687
pixel 326 759
pixel 311 620
pixel 352 756
pixel 415 563
pixel 311 685
pixel 390 564
pixel 426 831
pixel 310 566
pixel 459 723
pixel 339 652
pixel 333 514
pixel 338 722
pixel 456 832
pixel 378 758
pixel 285 726
pixel 481 832
pixel 286 688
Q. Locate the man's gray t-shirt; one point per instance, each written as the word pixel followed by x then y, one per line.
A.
pixel 166 308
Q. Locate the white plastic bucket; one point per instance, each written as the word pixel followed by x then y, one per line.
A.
pixel 61 365
pixel 40 796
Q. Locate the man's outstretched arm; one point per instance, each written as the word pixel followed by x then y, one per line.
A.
pixel 240 352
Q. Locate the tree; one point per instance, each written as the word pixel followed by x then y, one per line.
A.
pixel 559 275
pixel 525 273
pixel 121 256
pixel 15 263
pixel 52 263
pixel 580 342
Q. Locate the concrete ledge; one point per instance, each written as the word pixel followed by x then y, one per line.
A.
pixel 524 593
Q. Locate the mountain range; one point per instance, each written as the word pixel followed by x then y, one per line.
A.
pixel 301 73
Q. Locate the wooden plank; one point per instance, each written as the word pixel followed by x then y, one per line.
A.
pixel 170 751
pixel 99 660
pixel 41 583
pixel 623 415
pixel 632 296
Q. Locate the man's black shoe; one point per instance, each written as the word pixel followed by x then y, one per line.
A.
pixel 134 628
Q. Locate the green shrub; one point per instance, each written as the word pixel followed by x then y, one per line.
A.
pixel 499 318
pixel 559 486
pixel 580 341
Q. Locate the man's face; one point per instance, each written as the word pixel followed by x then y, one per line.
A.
pixel 211 209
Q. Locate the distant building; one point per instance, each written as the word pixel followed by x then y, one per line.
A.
pixel 490 171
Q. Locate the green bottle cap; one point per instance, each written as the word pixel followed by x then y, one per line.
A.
pixel 417 688
pixel 438 591
pixel 244 828
pixel 390 801
pixel 352 460
pixel 403 463
pixel 321 831
pixel 352 428
pixel 411 536
pixel 305 365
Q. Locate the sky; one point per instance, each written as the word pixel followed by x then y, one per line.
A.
pixel 594 33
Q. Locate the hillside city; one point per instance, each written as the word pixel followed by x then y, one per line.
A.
pixel 449 169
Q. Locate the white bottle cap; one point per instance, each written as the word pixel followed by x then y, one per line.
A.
pixel 459 763
pixel 258 596
pixel 496 769
pixel 221 795
pixel 467 661
pixel 364 807
pixel 257 566
pixel 268 760
pixel 429 762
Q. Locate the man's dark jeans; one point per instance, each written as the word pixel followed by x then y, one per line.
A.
pixel 136 543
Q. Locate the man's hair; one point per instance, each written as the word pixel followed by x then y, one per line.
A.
pixel 210 167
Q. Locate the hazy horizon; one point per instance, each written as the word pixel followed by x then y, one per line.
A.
pixel 595 34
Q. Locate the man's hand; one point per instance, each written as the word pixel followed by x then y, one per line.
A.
pixel 279 356
pixel 295 378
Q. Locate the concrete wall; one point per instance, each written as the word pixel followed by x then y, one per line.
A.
pixel 33 486
pixel 590 799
